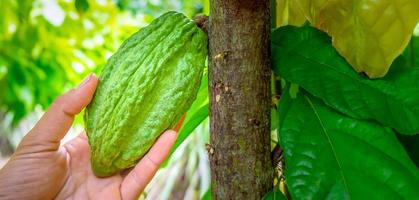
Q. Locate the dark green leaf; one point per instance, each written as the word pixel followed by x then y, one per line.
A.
pixel 192 120
pixel 411 144
pixel 82 6
pixel 331 156
pixel 122 4
pixel 275 92
pixel 305 56
pixel 411 53
pixel 274 195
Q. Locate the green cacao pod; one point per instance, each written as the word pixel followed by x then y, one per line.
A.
pixel 144 89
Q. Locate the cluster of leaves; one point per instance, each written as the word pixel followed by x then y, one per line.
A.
pixel 344 134
pixel 339 130
pixel 46 47
pixel 340 116
pixel 369 34
pixel 156 8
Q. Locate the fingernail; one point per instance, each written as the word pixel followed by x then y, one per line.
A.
pixel 85 81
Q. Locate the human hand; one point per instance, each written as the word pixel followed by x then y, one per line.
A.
pixel 42 169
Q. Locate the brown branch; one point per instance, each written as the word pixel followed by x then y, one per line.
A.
pixel 202 22
pixel 240 98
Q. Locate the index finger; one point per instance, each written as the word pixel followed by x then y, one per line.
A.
pixel 55 123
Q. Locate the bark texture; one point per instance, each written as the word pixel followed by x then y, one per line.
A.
pixel 239 85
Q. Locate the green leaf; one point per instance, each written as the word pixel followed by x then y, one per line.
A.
pixel 369 34
pixel 82 6
pixel 207 195
pixel 122 4
pixel 3 81
pixel 274 118
pixel 305 56
pixel 197 113
pixel 411 53
pixel 192 120
pixel 411 144
pixel 275 92
pixel 275 194
pixel 331 156
pixel 40 56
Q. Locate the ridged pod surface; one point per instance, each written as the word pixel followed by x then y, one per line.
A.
pixel 144 89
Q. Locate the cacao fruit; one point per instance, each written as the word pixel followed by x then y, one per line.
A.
pixel 144 89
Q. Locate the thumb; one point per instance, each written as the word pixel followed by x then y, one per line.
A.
pixel 55 123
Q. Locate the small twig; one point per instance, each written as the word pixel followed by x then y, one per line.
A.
pixel 202 22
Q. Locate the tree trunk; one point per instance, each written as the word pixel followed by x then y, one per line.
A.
pixel 239 77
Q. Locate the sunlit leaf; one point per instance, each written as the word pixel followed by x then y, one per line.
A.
pixel 38 44
pixel 306 57
pixel 155 8
pixel 8 20
pixel 331 156
pixel 25 7
pixel 207 195
pixel 192 120
pixel 288 12
pixel 370 34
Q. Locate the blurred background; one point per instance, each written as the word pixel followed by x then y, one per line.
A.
pixel 49 46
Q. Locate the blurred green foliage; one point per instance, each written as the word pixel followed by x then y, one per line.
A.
pixel 157 7
pixel 48 46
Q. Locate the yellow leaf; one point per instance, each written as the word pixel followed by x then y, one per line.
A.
pixel 370 34
pixel 289 12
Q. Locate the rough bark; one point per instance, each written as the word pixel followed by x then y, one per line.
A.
pixel 239 85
